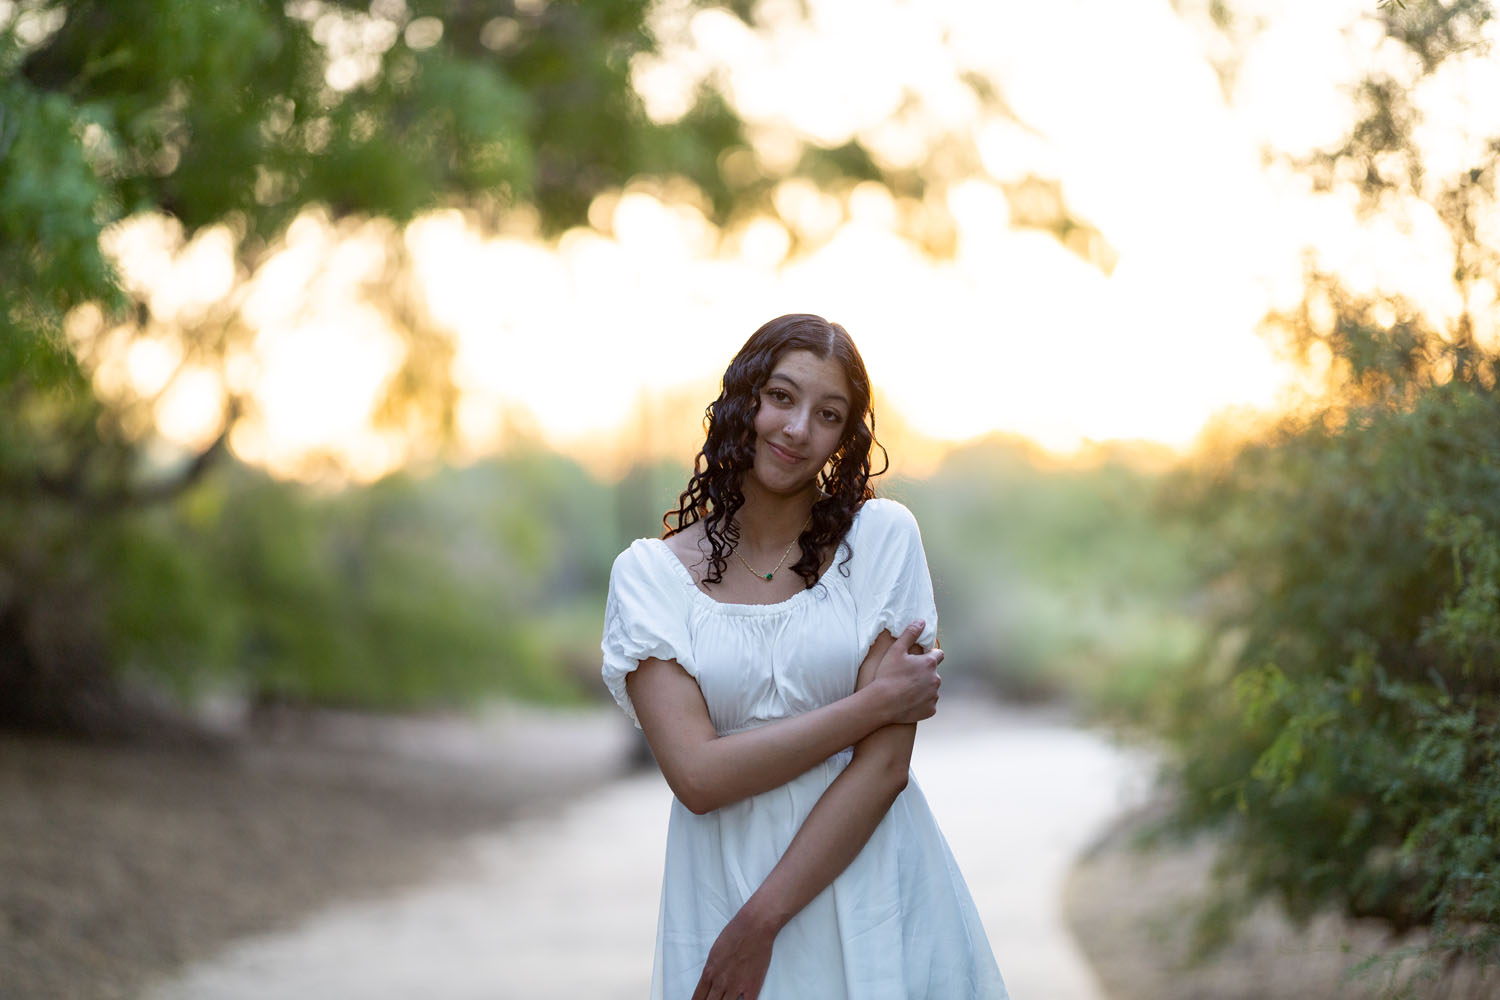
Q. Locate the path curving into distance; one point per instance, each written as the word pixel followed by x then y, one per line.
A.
pixel 564 905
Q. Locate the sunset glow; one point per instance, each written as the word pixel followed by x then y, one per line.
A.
pixel 585 340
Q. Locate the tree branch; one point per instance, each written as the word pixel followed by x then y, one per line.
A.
pixel 69 486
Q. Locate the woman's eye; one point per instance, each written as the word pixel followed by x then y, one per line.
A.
pixel 832 416
pixel 779 395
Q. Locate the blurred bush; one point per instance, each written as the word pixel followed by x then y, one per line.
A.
pixel 228 121
pixel 1345 734
pixel 1059 580
pixel 1350 735
pixel 216 126
pixel 415 590
pixel 1054 582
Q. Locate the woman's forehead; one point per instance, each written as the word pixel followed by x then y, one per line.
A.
pixel 811 374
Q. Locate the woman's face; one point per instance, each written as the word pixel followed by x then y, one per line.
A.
pixel 804 410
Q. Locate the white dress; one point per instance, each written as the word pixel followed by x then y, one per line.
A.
pixel 898 923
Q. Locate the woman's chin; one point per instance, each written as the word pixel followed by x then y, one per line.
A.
pixel 782 482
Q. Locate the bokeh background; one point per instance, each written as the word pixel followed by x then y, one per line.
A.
pixel 344 344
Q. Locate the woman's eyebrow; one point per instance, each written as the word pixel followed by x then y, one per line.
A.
pixel 837 396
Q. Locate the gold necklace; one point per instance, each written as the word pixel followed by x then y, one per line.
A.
pixel 784 554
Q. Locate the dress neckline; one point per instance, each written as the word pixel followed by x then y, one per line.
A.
pixel 732 608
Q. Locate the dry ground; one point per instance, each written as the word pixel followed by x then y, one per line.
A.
pixel 118 864
pixel 1134 913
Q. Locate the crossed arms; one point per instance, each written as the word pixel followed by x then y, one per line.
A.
pixel 896 687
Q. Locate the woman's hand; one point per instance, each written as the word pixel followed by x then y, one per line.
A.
pixel 910 680
pixel 840 823
pixel 738 961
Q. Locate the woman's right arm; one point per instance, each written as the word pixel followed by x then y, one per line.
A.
pixel 707 771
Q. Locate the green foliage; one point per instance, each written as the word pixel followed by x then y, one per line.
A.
pixel 411 591
pixel 490 579
pixel 244 114
pixel 241 116
pixel 163 613
pixel 248 111
pixel 1357 749
pixel 1345 731
pixel 1059 581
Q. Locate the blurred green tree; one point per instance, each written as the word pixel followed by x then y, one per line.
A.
pixel 1060 580
pixel 241 115
pixel 1346 733
pixel 412 591
pixel 233 119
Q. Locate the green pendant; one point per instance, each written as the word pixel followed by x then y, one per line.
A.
pixel 769 575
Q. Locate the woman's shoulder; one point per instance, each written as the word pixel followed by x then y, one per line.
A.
pixel 655 562
pixel 639 561
pixel 883 528
pixel 882 516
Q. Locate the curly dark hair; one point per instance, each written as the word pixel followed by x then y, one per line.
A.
pixel 713 493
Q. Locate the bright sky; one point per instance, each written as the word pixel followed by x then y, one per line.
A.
pixel 1014 333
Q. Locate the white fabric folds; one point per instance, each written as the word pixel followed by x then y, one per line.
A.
pixel 898 923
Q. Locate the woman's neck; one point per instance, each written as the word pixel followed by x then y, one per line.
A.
pixel 769 519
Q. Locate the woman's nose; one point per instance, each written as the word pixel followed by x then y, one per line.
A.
pixel 796 423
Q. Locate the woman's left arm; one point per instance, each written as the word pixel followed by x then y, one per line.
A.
pixel 834 832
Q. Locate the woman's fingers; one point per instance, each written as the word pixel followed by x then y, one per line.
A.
pixel 902 647
pixel 909 635
pixel 709 988
pixel 737 962
pixel 910 673
pixel 932 659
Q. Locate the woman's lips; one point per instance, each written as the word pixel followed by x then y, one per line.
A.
pixel 789 457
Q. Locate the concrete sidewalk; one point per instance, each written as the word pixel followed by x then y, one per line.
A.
pixel 564 905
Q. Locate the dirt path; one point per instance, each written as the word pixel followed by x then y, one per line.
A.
pixel 120 864
pixel 1020 795
pixel 564 905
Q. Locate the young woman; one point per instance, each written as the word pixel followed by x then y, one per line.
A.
pixel 777 647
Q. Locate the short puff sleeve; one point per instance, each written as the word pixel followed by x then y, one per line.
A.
pixel 645 615
pixel 889 578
